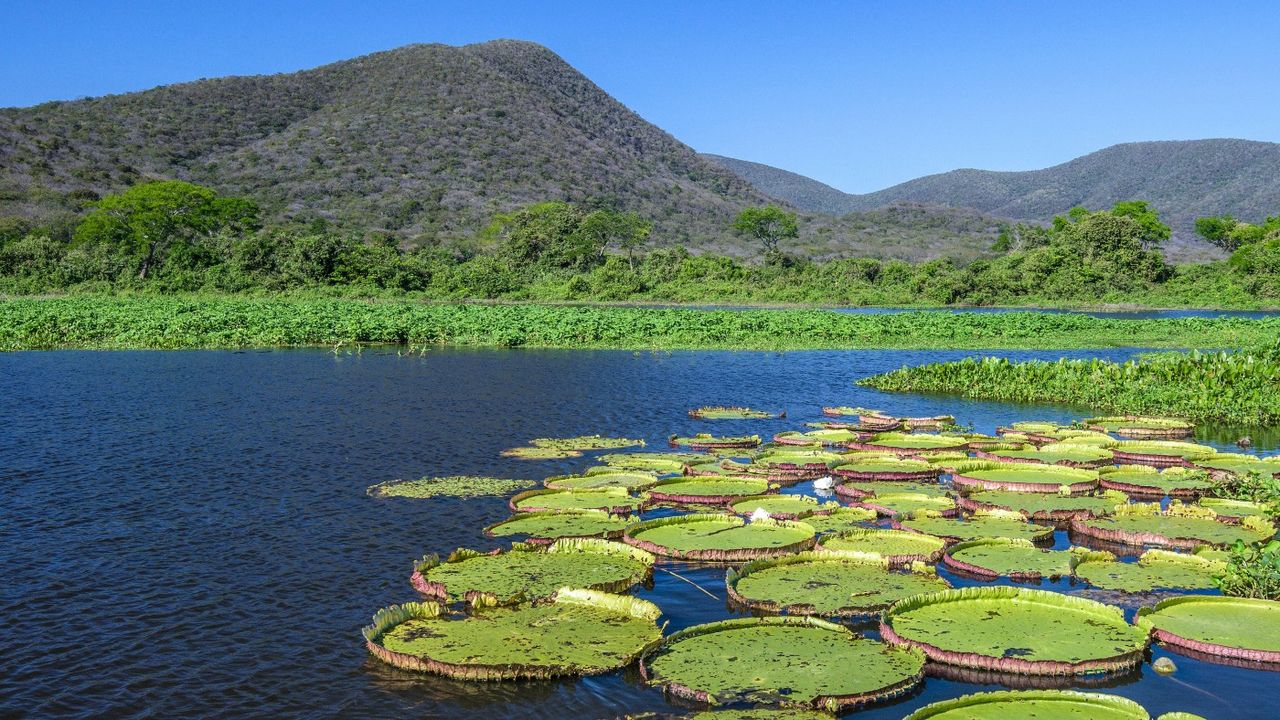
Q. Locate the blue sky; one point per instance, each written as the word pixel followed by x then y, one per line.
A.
pixel 860 95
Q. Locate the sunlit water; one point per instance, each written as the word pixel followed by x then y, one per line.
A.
pixel 186 534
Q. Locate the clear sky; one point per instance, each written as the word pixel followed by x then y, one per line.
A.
pixel 860 95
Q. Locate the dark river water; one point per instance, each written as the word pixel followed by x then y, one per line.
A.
pixel 186 534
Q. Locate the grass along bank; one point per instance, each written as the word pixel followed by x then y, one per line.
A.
pixel 1240 388
pixel 228 321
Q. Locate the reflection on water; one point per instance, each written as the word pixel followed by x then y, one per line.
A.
pixel 186 534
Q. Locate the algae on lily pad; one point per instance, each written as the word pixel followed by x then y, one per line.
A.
pixel 1015 630
pixel 839 519
pixel 596 480
pixel 457 486
pixel 1026 477
pixel 1018 559
pixel 708 490
pixel 899 547
pixel 982 524
pixel 827 583
pixel 527 572
pixel 586 442
pixel 732 413
pixel 1229 627
pixel 545 527
pixel 719 538
pixel 780 660
pixel 1178 526
pixel 894 504
pixel 1033 705
pixel 1178 482
pixel 1044 506
pixel 581 632
pixel 783 507
pixel 613 499
pixel 659 462
pixel 1155 570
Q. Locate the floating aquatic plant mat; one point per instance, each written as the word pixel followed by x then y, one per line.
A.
pixel 859 489
pixel 1161 453
pixel 783 507
pixel 457 486
pixel 826 436
pixel 894 504
pixel 540 453
pixel 544 527
pixel 586 442
pixel 1175 482
pixel 899 547
pixel 1228 627
pixel 887 468
pixel 1180 526
pixel 732 413
pixel 1023 477
pixel 901 443
pixel 616 500
pixel 1033 705
pixel 983 524
pixel 596 480
pixel 719 538
pixel 1237 464
pixel 1155 570
pixel 828 583
pixel 839 519
pixel 1135 426
pixel 658 462
pixel 991 558
pixel 787 660
pixel 1015 630
pixel 1058 453
pixel 708 490
pixel 527 572
pixel 582 632
pixel 1043 506
pixel 705 441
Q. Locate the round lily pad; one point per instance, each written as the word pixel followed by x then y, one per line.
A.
pixel 716 469
pixel 899 547
pixel 1175 482
pixel 616 500
pixel 1017 559
pixel 1086 437
pixel 1033 705
pixel 706 441
pixel 545 527
pixel 783 507
pixel 1229 627
pixel 1236 509
pixel 1030 426
pixel 540 453
pixel 1156 569
pixel 859 489
pixel 789 660
pixel 1177 527
pixel 581 632
pixel 1043 506
pixel 799 460
pixel 595 481
pixel 527 573
pixel 839 519
pixel 1024 477
pixel 457 486
pixel 1238 464
pixel 828 583
pixel 1161 453
pixel 770 714
pixel 989 524
pixel 585 442
pixel 894 504
pixel 887 468
pixel 1015 630
pixel 719 538
pixel 732 413
pixel 708 490
pixel 826 436
pixel 902 443
pixel 1071 455
pixel 658 462
pixel 1136 426
pixel 927 421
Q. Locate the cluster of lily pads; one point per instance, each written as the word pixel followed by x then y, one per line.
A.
pixel 900 507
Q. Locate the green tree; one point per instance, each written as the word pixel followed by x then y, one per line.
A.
pixel 769 224
pixel 627 230
pixel 546 235
pixel 1154 232
pixel 148 220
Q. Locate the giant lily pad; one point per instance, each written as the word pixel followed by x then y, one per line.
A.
pixel 899 547
pixel 791 660
pixel 1161 453
pixel 598 480
pixel 839 519
pixel 1237 464
pixel 798 460
pixel 716 469
pixel 1086 437
pixel 613 499
pixel 528 573
pixel 1178 526
pixel 1024 477
pixel 1030 426
pixel 783 507
pixel 1069 454
pixel 894 504
pixel 706 441
pixel 585 442
pixel 1017 559
pixel 1136 426
pixel 980 525
pixel 708 490
pixel 844 584
pixel 1236 509
pixel 732 413
pixel 870 488
pixel 901 443
pixel 1033 705
pixel 1155 570
pixel 1044 506
pixel 658 462
pixel 457 486
pixel 582 632
pixel 1015 630
pixel 887 468
pixel 545 527
pixel 1229 627
pixel 827 436
pixel 1175 482
pixel 719 538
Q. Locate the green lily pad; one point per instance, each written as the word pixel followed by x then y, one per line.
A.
pixel 763 714
pixel 1033 705
pixel 1143 427
pixel 1156 569
pixel 1086 437
pixel 719 538
pixel 893 504
pixel 1161 452
pixel 457 486
pixel 839 519
pixel 785 507
pixel 902 443
pixel 1016 630
pixel 1229 508
pixel 871 488
pixel 1043 506
pixel 825 436
pixel 585 442
pixel 527 572
pixel 658 462
pixel 708 490
pixel 706 441
pixel 1145 480
pixel 887 468
pixel 597 480
pixel 581 632
pixel 716 469
pixel 1178 526
pixel 828 583
pixel 791 660
pixel 794 458
pixel 1058 454
pixel 1014 558
pixel 540 453
pixel 616 500
pixel 544 527
pixel 731 413
pixel 981 525
pixel 1239 628
pixel 899 547
pixel 1035 426
pixel 1027 477
pixel 1238 464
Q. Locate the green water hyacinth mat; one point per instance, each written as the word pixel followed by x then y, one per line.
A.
pixel 1154 570
pixel 827 584
pixel 899 547
pixel 545 527
pixel 1034 705
pixel 581 632
pixel 1226 627
pixel 457 486
pixel 1015 630
pixel 780 660
pixel 528 572
pixel 719 538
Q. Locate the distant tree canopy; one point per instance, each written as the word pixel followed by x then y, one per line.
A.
pixel 1230 234
pixel 558 235
pixel 769 224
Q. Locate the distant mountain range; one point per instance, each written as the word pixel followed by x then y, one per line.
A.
pixel 427 142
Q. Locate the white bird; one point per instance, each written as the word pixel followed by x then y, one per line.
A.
pixel 759 514
pixel 823 483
